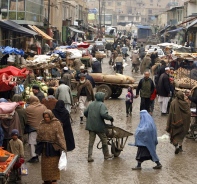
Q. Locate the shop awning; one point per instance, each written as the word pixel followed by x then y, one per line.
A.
pixel 192 24
pixel 41 33
pixel 187 20
pixel 76 30
pixel 13 26
pixel 175 30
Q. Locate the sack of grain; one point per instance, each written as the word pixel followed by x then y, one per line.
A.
pixel 113 79
pixel 126 79
pixel 98 77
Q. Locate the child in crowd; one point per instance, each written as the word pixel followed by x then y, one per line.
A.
pixel 129 101
pixel 15 146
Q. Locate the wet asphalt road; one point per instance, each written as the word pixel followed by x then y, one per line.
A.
pixel 176 168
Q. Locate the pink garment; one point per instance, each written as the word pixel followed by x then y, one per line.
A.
pixel 7 107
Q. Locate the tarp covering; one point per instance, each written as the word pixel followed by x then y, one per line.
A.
pixel 176 30
pixel 11 70
pixel 40 32
pixel 13 26
pixel 6 82
pixel 76 30
pixel 10 50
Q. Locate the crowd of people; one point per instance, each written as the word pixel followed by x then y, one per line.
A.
pixel 47 120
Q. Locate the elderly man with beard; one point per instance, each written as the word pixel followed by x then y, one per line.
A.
pixel 85 94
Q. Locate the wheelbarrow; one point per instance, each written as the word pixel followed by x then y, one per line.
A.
pixel 117 139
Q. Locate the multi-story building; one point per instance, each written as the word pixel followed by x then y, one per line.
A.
pixel 136 11
pixel 23 11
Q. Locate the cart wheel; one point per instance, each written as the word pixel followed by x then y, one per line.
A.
pixel 114 150
pixel 105 89
pixel 116 92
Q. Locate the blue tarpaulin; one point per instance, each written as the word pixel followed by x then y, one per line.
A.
pixel 10 50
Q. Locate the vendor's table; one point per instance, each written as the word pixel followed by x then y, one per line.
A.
pixel 4 175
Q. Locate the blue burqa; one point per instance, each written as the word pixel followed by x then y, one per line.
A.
pixel 146 134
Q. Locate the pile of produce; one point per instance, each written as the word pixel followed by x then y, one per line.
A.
pixel 28 90
pixel 114 79
pixel 43 61
pixel 5 159
pixel 185 83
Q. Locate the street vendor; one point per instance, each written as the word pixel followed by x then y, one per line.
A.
pixel 37 92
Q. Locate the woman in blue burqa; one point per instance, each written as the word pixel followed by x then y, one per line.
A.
pixel 146 141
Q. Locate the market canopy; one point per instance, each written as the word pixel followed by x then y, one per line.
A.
pixel 11 70
pixel 76 30
pixel 40 32
pixel 176 30
pixel 13 26
pixel 192 24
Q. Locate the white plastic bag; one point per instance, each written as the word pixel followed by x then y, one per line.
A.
pixel 62 165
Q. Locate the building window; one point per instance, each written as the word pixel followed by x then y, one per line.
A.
pixel 118 3
pixel 149 11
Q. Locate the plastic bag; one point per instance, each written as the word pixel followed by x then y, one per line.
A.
pixel 62 165
pixel 23 170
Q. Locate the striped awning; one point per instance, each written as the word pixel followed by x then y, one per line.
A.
pixel 41 33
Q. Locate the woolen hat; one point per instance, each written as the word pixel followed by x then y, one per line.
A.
pixel 15 132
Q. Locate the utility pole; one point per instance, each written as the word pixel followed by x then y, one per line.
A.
pixel 100 15
pixel 49 3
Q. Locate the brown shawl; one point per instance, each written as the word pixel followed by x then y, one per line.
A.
pixel 89 90
pixel 9 124
pixel 52 132
pixel 179 118
pixel 34 112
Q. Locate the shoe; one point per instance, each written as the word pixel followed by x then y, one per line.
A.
pixel 136 168
pixel 180 149
pixel 127 115
pixel 90 159
pixel 177 150
pixel 108 156
pixel 81 120
pixel 158 166
pixel 34 160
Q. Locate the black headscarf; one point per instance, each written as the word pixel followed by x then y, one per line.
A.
pixel 62 114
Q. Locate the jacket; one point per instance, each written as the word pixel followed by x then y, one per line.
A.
pixel 140 86
pixel 96 67
pixel 63 92
pixel 163 87
pixel 89 90
pixel 40 95
pixel 96 113
pixel 66 77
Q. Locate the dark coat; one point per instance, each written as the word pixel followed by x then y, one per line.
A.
pixel 90 78
pixel 96 67
pixel 62 114
pixel 96 113
pixel 163 87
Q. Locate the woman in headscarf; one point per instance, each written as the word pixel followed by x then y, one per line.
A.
pixel 178 121
pixel 34 113
pixel 21 111
pixel 146 141
pixel 62 114
pixel 51 142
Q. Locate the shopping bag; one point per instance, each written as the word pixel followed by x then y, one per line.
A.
pixel 62 165
pixel 23 170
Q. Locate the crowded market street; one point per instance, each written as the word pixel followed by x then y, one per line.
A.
pixel 176 169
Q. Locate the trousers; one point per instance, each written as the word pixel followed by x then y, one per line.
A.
pixel 128 107
pixel 163 101
pixel 83 103
pixel 145 104
pixel 103 138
